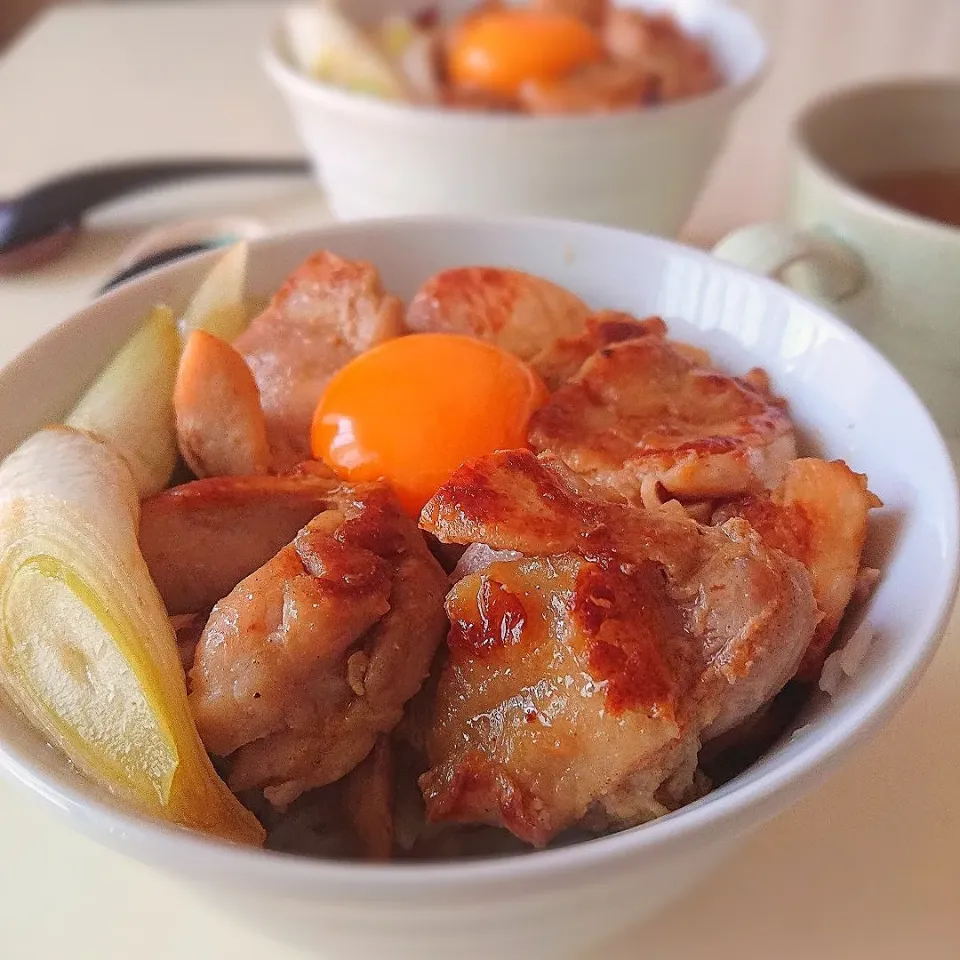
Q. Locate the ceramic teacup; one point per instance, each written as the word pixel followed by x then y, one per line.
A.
pixel 892 273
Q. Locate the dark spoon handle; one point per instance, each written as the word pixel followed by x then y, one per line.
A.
pixel 64 200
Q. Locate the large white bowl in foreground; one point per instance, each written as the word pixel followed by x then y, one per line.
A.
pixel 850 403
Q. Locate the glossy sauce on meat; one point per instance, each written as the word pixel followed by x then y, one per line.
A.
pixel 582 677
pixel 314 655
pixel 818 515
pixel 647 414
pixel 517 311
pixel 328 311
pixel 536 713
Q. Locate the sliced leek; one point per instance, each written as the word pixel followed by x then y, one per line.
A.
pixel 326 45
pixel 220 304
pixel 86 649
pixel 131 403
pixel 395 34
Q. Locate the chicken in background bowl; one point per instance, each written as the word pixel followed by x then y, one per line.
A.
pixel 545 57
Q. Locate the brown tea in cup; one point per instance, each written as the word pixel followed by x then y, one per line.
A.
pixel 934 194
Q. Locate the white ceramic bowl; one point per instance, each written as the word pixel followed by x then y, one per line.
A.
pixel 641 169
pixel 850 403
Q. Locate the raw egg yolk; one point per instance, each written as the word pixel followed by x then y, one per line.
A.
pixel 411 410
pixel 500 51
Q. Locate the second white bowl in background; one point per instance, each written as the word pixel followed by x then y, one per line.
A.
pixel 641 169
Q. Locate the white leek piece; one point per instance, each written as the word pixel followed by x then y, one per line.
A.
pixel 220 304
pixel 411 53
pixel 325 44
pixel 131 403
pixel 395 34
pixel 86 649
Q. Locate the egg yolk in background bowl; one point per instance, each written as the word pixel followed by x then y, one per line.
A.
pixel 500 51
pixel 413 409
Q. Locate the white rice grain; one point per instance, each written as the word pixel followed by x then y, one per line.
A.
pixel 845 662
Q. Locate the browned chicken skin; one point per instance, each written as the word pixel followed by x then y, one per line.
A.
pixel 647 59
pixel 201 539
pixel 517 311
pixel 650 419
pixel 562 359
pixel 582 677
pixel 221 429
pixel 551 696
pixel 591 12
pixel 594 88
pixel 818 515
pixel 677 64
pixel 328 311
pixel 314 655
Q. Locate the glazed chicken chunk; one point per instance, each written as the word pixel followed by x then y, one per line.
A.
pixel 817 515
pixel 583 675
pixel 314 655
pixel 592 12
pixel 517 311
pixel 562 359
pixel 328 311
pixel 551 696
pixel 650 419
pixel 594 88
pixel 679 65
pixel 221 429
pixel 201 539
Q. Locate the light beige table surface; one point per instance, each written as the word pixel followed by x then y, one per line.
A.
pixel 868 867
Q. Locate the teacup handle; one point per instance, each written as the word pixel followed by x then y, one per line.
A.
pixel 770 248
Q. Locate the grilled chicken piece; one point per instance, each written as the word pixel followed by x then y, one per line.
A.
pixel 562 359
pixel 309 659
pixel 221 429
pixel 680 65
pixel 564 678
pixel 649 416
pixel 591 12
pixel 201 539
pixel 818 515
pixel 593 88
pixel 368 801
pixel 517 311
pixel 328 311
pixel 582 677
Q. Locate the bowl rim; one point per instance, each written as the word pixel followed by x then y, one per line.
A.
pixel 734 807
pixel 375 109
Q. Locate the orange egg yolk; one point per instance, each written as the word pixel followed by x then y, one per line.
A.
pixel 411 410
pixel 500 51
